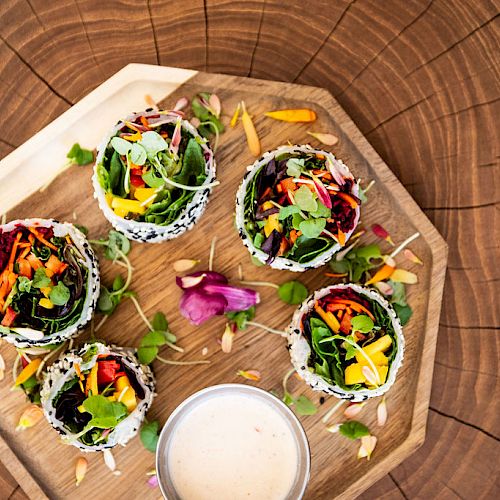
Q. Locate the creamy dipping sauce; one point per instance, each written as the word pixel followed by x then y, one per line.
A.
pixel 232 447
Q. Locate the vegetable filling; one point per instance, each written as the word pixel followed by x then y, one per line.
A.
pixel 152 168
pixel 299 205
pixel 43 280
pixel 96 400
pixel 352 339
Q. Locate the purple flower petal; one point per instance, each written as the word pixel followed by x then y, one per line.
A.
pixel 153 481
pixel 198 306
pixel 238 299
pixel 190 281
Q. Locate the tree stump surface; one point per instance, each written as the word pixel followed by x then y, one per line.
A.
pixel 421 81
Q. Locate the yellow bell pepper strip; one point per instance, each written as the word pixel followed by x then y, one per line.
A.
pixel 380 345
pixel 293 115
pixel 252 137
pixel 272 223
pixel 134 137
pixel 120 212
pixel 328 318
pixel 28 371
pixel 125 393
pixel 236 115
pixel 41 239
pixel 384 272
pixel 46 303
pixel 80 375
pixel 378 359
pixel 128 205
pixel 142 194
pixel 353 374
pixel 91 382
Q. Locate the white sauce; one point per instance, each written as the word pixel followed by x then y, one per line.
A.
pixel 232 447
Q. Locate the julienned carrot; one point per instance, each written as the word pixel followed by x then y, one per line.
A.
pixel 354 305
pixel 348 198
pixel 34 261
pixel 382 274
pixel 13 252
pixel 41 239
pixel 144 121
pixel 341 237
pixel 25 252
pixel 336 275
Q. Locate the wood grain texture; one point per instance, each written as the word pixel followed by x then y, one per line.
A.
pixel 420 79
pixel 253 349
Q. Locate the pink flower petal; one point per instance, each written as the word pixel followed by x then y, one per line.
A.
pixel 195 122
pixel 323 194
pixel 194 279
pixel 367 446
pixel 153 481
pixel 215 105
pixel 382 412
pixel 227 339
pixel 384 288
pixel 381 233
pixel 238 299
pixel 409 255
pixel 198 306
pixel 181 104
pixel 176 138
pixel 371 377
pixel 328 139
pixel 353 409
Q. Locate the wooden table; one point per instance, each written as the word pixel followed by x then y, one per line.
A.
pixel 420 79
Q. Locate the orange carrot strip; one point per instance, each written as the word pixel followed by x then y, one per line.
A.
pixel 145 123
pixel 25 252
pixel 354 305
pixel 348 198
pixel 336 275
pixel 341 237
pixel 41 239
pixel 12 257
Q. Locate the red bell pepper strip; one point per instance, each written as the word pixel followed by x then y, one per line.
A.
pixel 10 316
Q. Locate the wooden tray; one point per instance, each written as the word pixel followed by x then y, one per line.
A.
pixel 37 459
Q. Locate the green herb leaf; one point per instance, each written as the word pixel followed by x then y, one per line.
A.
pixel 40 280
pixel 305 200
pixel 23 284
pixel 152 180
pixel 149 435
pixel 118 282
pixel 121 146
pixel 193 164
pixel 153 338
pixel 241 317
pixel 288 399
pixel 258 240
pixel 350 351
pixel 160 322
pixel 362 323
pixel 79 156
pixel 60 294
pixel 404 313
pixel 153 143
pixel 287 211
pixel 354 430
pixel 304 406
pixel 83 229
pixel 312 228
pixel 105 413
pixel 116 240
pixel 322 211
pixel 147 355
pixel 105 302
pixel 138 154
pixel 399 293
pixel 292 292
pixel 294 166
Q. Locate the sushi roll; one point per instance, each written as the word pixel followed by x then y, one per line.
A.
pixel 296 207
pixel 346 340
pixel 153 175
pixel 49 282
pixel 98 396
